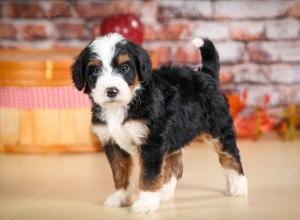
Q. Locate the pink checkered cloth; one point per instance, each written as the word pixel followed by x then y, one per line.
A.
pixel 43 98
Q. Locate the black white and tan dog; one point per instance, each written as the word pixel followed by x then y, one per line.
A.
pixel 154 114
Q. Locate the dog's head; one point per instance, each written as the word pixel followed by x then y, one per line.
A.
pixel 110 69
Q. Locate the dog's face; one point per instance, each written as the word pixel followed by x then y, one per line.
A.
pixel 110 69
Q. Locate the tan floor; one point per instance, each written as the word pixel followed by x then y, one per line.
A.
pixel 74 186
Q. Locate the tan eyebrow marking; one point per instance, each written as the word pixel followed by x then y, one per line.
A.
pixel 122 58
pixel 94 62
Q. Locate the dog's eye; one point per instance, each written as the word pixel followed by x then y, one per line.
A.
pixel 93 69
pixel 124 68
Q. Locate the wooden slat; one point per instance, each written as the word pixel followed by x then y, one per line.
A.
pixel 83 119
pixel 66 131
pixel 35 83
pixel 50 149
pixel 45 127
pixel 40 67
pixel 46 131
pixel 26 128
pixel 9 126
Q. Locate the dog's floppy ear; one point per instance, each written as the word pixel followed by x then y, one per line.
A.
pixel 78 69
pixel 143 62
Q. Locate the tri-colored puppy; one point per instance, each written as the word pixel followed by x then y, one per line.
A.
pixel 154 114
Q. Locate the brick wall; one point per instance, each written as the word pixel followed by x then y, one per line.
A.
pixel 258 40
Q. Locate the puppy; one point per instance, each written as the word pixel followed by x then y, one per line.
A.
pixel 154 113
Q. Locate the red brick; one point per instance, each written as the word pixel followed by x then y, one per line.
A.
pixel 175 31
pixel 250 73
pixel 256 93
pixel 148 11
pixel 96 28
pixel 34 32
pixel 294 9
pixel 268 52
pixel 7 45
pixel 247 30
pixel 187 54
pixel 72 31
pixel 22 9
pixel 14 44
pixel 73 43
pixel 151 32
pixel 284 73
pixel 279 94
pixel 226 75
pixel 59 8
pixel 231 52
pixel 255 9
pixel 282 29
pixel 296 96
pixel 44 44
pixel 7 31
pixel 162 52
pixel 1 12
pixel 211 30
pixel 89 9
pixel 184 9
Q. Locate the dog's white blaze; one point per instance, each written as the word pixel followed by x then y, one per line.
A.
pixel 105 49
pixel 128 135
pixel 237 185
pixel 168 189
pixel 146 203
pixel 106 80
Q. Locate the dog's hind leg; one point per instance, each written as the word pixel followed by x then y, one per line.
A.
pixel 229 157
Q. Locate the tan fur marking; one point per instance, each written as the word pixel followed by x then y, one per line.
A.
pixel 147 185
pixel 153 186
pixel 135 83
pixel 226 160
pixel 122 58
pixel 94 62
pixel 121 165
pixel 172 166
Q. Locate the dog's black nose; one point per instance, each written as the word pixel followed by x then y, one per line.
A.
pixel 112 92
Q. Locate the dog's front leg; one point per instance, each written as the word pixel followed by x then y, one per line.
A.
pixel 150 180
pixel 121 165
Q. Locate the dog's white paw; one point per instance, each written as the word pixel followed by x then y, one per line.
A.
pixel 237 185
pixel 118 199
pixel 168 190
pixel 147 202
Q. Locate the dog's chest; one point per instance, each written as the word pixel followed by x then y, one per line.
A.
pixel 128 135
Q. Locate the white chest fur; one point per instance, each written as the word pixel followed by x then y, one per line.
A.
pixel 128 135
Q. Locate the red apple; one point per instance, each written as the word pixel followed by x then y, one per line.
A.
pixel 128 25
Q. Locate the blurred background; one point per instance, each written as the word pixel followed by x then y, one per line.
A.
pixel 258 43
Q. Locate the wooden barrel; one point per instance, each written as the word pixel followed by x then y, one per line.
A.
pixel 40 111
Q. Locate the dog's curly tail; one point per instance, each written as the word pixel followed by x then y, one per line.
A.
pixel 210 57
